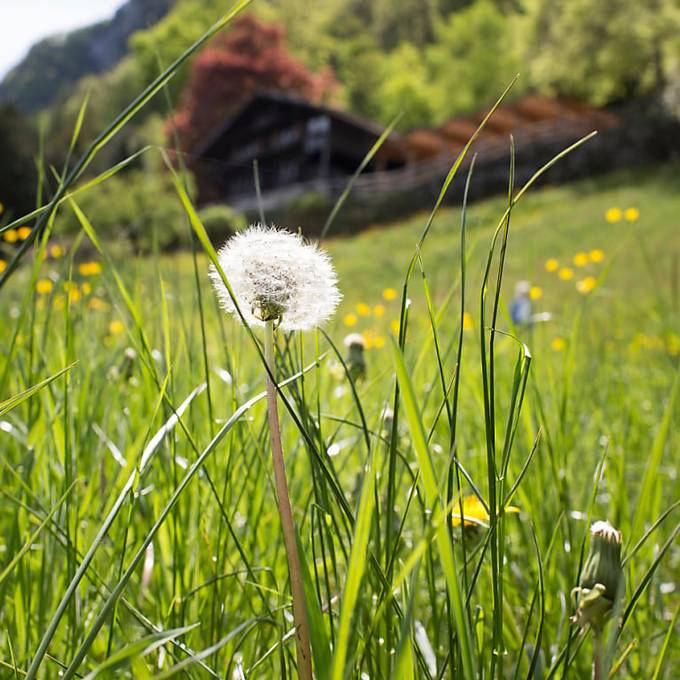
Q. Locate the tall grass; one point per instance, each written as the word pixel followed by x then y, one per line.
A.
pixel 110 457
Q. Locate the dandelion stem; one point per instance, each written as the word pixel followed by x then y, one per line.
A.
pixel 597 657
pixel 304 659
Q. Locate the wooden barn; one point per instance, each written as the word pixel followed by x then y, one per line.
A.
pixel 295 142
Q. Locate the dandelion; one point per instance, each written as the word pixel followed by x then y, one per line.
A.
pixel 98 304
pixel 613 215
pixel 552 265
pixel 278 280
pixel 475 513
pixel 23 233
pixel 379 341
pixel 379 311
pixel 350 319
pixel 44 286
pixel 389 294
pixel 631 215
pixel 468 325
pixel 587 285
pixel 86 288
pixel 363 309
pixel 536 292
pixel 581 259
pixel 355 360
pixel 56 251
pixel 89 268
pixel 558 344
pixel 276 276
pixel 566 273
pixel 11 236
pixel 596 255
pixel 116 327
pixel 3 266
pixel 394 326
pixel 74 294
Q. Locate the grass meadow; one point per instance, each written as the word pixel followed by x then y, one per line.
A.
pixel 140 533
pixel 148 459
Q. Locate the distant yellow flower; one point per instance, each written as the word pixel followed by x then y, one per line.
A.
pixel 89 268
pixel 44 286
pixel 97 304
pixel 474 513
pixel 585 286
pixel 596 255
pixel 558 344
pixel 581 259
pixel 3 266
pixel 552 265
pixel 468 325
pixel 390 294
pixel 74 295
pixel 379 341
pixel 56 251
pixel 86 288
pixel 23 233
pixel 363 309
pixel 349 319
pixel 631 214
pixel 613 215
pixel 566 273
pixel 11 236
pixel 535 292
pixel 378 311
pixel 116 327
pixel 394 325
pixel 70 285
pixel 368 340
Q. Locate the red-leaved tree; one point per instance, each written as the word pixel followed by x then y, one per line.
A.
pixel 252 56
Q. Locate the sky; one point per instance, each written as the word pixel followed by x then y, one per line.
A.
pixel 24 22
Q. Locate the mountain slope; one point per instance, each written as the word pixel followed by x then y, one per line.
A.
pixel 59 61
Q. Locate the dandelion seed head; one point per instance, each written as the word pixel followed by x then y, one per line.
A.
pixel 276 275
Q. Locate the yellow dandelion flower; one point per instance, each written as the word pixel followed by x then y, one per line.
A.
pixel 585 286
pixel 379 311
pixel 596 255
pixel 116 327
pixel 97 304
pixel 363 309
pixel 581 259
pixel 369 340
pixel 86 288
pixel 536 292
pixel 70 285
pixel 389 294
pixel 613 215
pixel 23 233
pixel 394 326
pixel 349 319
pixel 379 341
pixel 11 236
pixel 74 295
pixel 56 251
pixel 558 344
pixel 631 214
pixel 3 266
pixel 566 273
pixel 474 513
pixel 552 265
pixel 467 321
pixel 44 286
pixel 89 268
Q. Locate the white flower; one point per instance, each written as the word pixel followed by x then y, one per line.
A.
pixel 276 275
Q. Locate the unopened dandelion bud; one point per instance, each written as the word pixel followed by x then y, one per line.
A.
pixel 601 580
pixel 355 360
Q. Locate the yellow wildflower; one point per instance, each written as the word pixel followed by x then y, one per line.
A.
pixel 378 311
pixel 3 266
pixel 631 214
pixel 535 292
pixel 23 233
pixel 566 273
pixel 44 286
pixel 596 255
pixel 89 268
pixel 116 327
pixel 368 340
pixel 379 341
pixel 74 294
pixel 474 513
pixel 394 325
pixel 11 236
pixel 390 294
pixel 558 344
pixel 585 286
pixel 363 309
pixel 613 215
pixel 581 259
pixel 86 288
pixel 56 251
pixel 552 265
pixel 97 304
pixel 467 321
pixel 349 319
